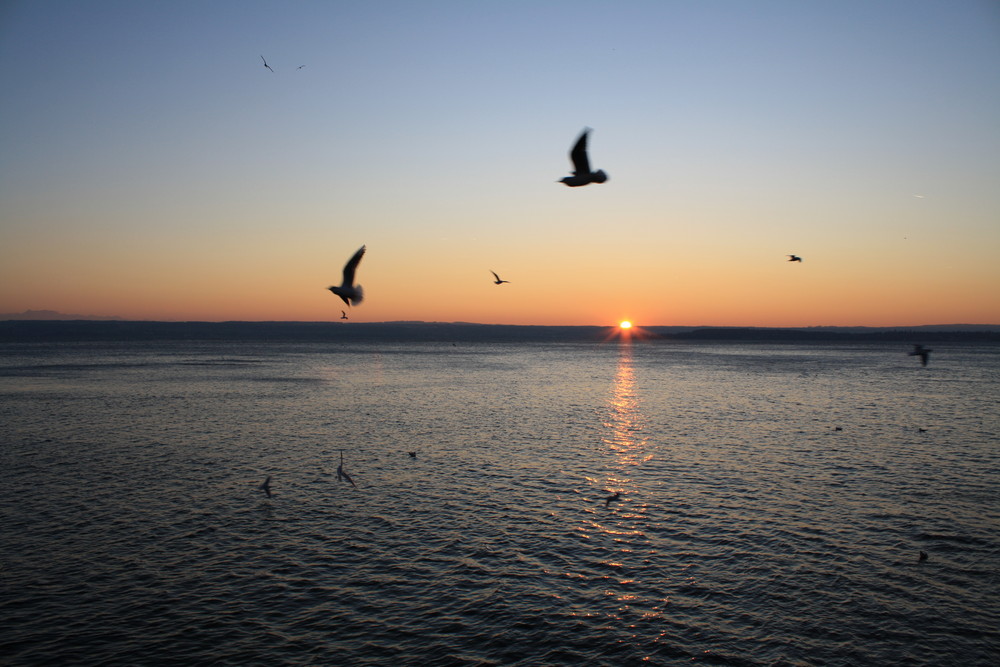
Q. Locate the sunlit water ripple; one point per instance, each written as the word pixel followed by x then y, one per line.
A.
pixel 748 530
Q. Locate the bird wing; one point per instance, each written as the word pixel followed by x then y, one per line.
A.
pixel 581 163
pixel 352 266
pixel 495 275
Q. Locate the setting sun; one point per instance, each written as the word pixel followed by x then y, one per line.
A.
pixel 625 325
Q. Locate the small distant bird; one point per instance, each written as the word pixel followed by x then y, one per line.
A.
pixel 922 557
pixel 616 496
pixel 838 428
pixel 498 281
pixel 266 65
pixel 343 315
pixel 582 175
pixel 266 486
pixel 341 475
pixel 413 455
pixel 922 352
pixel 921 430
pixel 300 67
pixel 794 258
pixel 348 291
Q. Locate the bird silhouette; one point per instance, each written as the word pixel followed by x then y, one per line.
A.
pixel 266 65
pixel 413 455
pixel 922 557
pixel 922 352
pixel 794 258
pixel 343 315
pixel 266 486
pixel 341 475
pixel 350 293
pixel 609 499
pixel 498 281
pixel 300 67
pixel 582 175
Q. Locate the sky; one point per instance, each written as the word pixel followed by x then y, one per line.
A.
pixel 152 168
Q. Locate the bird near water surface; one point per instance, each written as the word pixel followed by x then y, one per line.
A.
pixel 582 175
pixel 609 499
pixel 922 352
pixel 341 475
pixel 350 293
pixel 266 486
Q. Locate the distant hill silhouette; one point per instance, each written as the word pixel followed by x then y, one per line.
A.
pixel 403 332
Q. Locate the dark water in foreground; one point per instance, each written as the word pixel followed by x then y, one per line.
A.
pixel 748 531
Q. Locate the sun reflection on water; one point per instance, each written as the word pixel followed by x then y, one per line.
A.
pixel 625 421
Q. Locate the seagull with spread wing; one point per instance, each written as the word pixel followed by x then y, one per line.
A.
pixel 351 294
pixel 582 175
pixel 498 281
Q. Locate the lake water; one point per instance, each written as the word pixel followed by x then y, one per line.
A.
pixel 748 529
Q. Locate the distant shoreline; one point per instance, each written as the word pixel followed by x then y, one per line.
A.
pixel 127 330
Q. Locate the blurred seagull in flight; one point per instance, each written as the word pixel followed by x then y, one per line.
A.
pixel 348 291
pixel 343 315
pixel 266 65
pixel 922 352
pixel 616 496
pixel 266 486
pixel 498 281
pixel 341 475
pixel 581 165
pixel 794 258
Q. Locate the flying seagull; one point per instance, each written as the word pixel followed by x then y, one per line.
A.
pixel 266 486
pixel 341 475
pixel 794 258
pixel 266 65
pixel 343 315
pixel 616 496
pixel 348 291
pixel 582 175
pixel 300 67
pixel 922 352
pixel 413 455
pixel 498 281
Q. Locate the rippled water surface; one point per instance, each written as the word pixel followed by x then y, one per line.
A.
pixel 773 503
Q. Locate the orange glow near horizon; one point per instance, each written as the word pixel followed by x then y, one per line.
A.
pixel 625 324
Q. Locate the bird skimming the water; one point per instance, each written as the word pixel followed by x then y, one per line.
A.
pixel 616 496
pixel 341 475
pixel 922 352
pixel 348 291
pixel 413 455
pixel 266 65
pixel 794 258
pixel 266 486
pixel 922 557
pixel 498 281
pixel 582 175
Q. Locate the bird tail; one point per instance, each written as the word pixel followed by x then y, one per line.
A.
pixel 360 295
